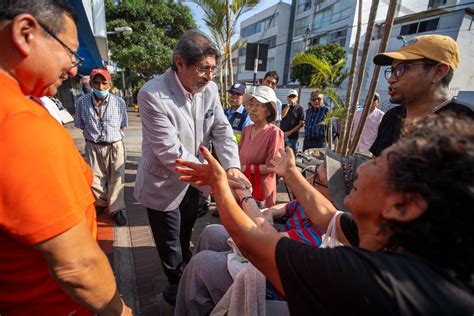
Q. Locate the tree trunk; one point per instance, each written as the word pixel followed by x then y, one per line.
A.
pixel 345 133
pixel 375 76
pixel 228 54
pixel 361 70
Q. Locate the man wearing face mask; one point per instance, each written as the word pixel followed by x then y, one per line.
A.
pixel 102 116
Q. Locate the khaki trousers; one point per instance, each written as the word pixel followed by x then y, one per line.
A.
pixel 108 167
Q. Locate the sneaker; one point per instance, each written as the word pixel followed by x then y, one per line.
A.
pixel 169 294
pixel 119 218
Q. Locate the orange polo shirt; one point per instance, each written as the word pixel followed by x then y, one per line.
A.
pixel 44 191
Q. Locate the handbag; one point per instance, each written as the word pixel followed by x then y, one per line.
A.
pixel 330 239
pixel 255 180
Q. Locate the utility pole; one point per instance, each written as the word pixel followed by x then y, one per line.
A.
pixel 255 65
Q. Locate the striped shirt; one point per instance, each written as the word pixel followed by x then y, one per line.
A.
pixel 105 126
pixel 298 227
pixel 313 118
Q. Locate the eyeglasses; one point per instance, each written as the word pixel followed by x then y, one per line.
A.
pixel 316 99
pixel 206 71
pixel 400 69
pixel 76 60
pixel 292 96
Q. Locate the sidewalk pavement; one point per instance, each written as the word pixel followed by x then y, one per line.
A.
pixel 131 249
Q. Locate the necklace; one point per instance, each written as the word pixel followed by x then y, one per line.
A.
pixel 433 110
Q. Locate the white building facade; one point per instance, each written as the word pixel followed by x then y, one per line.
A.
pixel 269 26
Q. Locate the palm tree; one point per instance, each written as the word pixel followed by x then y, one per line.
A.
pixel 360 77
pixel 221 17
pixel 328 78
pixel 345 128
pixel 392 8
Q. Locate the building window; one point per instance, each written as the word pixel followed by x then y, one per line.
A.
pixel 433 4
pixel 241 68
pixel 340 11
pixel 338 37
pixel 302 25
pixel 243 51
pixel 319 40
pixel 271 64
pixel 322 19
pixel 420 27
pixel 298 47
pixel 260 26
pixel 271 41
pixel 303 5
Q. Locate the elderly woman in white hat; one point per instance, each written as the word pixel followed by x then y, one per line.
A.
pixel 260 142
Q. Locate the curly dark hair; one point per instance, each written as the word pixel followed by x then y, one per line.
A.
pixel 435 158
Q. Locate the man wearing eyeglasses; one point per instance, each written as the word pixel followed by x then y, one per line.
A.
pixel 181 111
pixel 102 116
pixel 314 131
pixel 50 262
pixel 418 79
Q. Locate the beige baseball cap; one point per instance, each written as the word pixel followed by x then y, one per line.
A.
pixel 263 94
pixel 436 47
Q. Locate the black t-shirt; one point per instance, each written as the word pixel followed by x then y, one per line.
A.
pixel 352 281
pixel 391 125
pixel 294 116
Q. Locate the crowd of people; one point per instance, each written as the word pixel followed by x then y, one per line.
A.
pixel 386 231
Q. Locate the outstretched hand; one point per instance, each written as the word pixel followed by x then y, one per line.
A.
pixel 282 162
pixel 201 174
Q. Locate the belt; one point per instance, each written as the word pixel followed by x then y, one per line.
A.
pixel 101 143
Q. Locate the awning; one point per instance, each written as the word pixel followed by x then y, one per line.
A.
pixel 87 44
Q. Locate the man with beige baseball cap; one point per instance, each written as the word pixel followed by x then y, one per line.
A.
pixel 418 79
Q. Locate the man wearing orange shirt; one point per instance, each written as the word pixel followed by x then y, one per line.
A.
pixel 50 262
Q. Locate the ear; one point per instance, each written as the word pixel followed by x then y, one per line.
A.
pixel 441 72
pixel 179 62
pixel 25 29
pixel 407 208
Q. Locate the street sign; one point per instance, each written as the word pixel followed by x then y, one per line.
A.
pixel 251 56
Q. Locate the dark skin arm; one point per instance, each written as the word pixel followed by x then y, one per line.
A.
pixel 241 227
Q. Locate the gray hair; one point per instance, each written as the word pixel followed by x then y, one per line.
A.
pixel 193 46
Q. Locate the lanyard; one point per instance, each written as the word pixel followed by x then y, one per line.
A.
pixel 100 117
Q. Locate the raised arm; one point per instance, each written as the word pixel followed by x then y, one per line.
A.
pixel 256 240
pixel 318 208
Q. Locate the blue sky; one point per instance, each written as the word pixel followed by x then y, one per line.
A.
pixel 198 14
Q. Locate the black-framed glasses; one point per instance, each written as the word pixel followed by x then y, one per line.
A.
pixel 206 70
pixel 400 69
pixel 76 60
pixel 316 99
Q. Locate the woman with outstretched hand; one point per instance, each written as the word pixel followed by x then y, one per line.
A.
pixel 413 209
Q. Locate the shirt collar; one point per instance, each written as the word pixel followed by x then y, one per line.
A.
pixel 240 109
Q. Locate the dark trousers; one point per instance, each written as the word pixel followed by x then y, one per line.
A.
pixel 314 142
pixel 172 233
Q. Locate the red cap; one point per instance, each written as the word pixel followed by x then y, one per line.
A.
pixel 104 73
